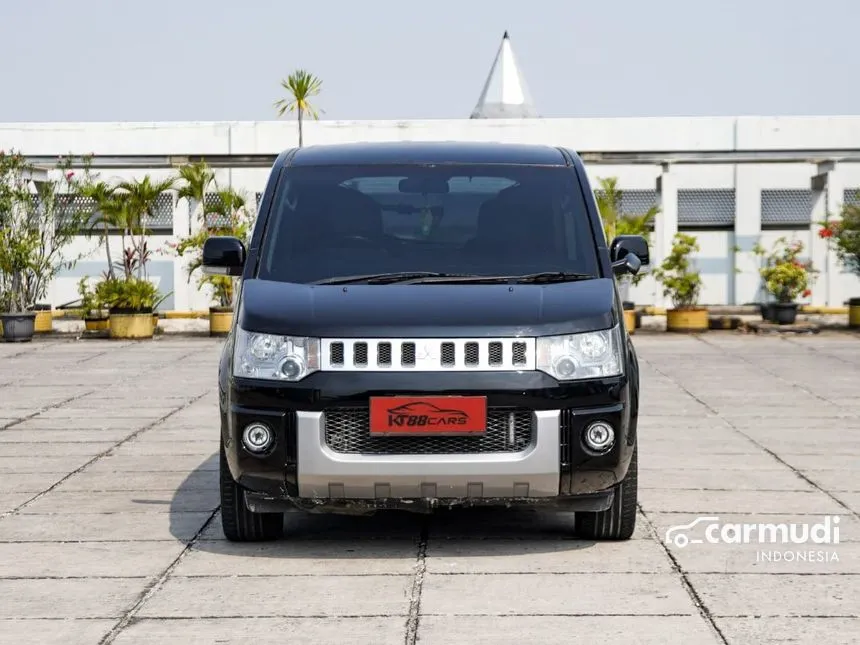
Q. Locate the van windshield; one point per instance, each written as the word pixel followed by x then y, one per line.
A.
pixel 333 221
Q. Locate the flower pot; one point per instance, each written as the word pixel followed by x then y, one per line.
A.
pixel 154 321
pixel 220 320
pixel 18 327
pixel 687 319
pixel 100 323
pixel 44 322
pixel 126 324
pixel 783 313
pixel 854 313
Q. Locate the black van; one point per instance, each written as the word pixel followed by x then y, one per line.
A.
pixel 427 324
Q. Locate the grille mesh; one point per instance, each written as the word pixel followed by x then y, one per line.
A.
pixel 347 430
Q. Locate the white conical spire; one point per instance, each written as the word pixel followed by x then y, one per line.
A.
pixel 505 94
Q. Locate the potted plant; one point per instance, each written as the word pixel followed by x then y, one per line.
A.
pixel 785 278
pixel 229 216
pixel 130 301
pixel 682 283
pixel 615 223
pixel 843 235
pixel 39 218
pixel 92 309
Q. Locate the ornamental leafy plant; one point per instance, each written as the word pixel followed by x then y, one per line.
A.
pixel 229 215
pixel 616 222
pixel 785 276
pixel 681 281
pixel 843 236
pixel 40 216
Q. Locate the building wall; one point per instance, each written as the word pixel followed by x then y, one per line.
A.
pixel 724 205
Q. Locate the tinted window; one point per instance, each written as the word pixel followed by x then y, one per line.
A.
pixel 332 221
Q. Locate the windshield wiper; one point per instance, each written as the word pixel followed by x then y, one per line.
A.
pixel 552 276
pixel 528 278
pixel 385 278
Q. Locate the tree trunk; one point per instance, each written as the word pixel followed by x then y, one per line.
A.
pixel 300 127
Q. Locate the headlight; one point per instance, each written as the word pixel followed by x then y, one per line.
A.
pixel 277 358
pixel 580 356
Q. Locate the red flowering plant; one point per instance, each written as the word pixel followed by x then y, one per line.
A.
pixel 785 276
pixel 843 236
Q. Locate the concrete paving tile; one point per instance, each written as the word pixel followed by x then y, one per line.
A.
pixel 69 598
pixel 151 463
pixel 11 466
pixel 851 500
pixel 124 502
pixel 845 480
pixel 545 556
pixel 108 411
pixel 276 597
pixel 759 502
pixel 165 432
pixel 146 481
pixel 10 501
pixel 97 527
pixel 564 630
pixel 265 631
pixel 728 443
pixel 87 559
pixel 607 593
pixel 721 479
pixel 300 557
pixel 758 461
pixel 74 435
pixel 168 448
pixel 35 631
pixel 784 595
pixel 797 631
pixel 29 483
pixel 805 462
pixel 91 423
pixel 90 449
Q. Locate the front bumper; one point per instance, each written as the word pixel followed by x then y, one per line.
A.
pixel 304 467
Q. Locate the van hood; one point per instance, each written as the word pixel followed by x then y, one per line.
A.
pixel 426 310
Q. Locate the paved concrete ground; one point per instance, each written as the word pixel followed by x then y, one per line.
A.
pixel 109 527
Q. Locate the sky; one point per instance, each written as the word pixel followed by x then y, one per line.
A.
pixel 205 60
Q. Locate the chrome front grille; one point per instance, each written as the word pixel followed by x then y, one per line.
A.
pixel 347 430
pixel 428 354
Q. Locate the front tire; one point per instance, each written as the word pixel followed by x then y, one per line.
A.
pixel 619 520
pixel 239 523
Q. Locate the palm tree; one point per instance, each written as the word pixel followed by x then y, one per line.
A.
pixel 107 213
pixel 301 86
pixel 196 178
pixel 140 198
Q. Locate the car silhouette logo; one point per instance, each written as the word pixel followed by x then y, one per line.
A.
pixel 422 408
pixel 675 535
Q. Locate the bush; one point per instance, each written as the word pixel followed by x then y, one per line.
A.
pixel 681 282
pixel 784 275
pixel 844 237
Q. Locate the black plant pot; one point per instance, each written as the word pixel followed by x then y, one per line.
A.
pixel 783 313
pixel 18 327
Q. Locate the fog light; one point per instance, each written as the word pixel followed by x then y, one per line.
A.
pixel 599 436
pixel 257 438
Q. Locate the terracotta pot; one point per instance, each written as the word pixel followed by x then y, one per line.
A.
pixel 688 319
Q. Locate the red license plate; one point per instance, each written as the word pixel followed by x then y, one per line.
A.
pixel 421 415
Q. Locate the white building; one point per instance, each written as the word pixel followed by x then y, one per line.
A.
pixel 730 181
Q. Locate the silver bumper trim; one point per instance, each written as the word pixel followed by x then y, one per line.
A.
pixel 324 474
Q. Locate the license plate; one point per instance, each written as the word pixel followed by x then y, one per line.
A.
pixel 428 415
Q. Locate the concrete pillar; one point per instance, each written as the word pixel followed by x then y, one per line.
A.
pixel 745 284
pixel 827 192
pixel 181 228
pixel 665 224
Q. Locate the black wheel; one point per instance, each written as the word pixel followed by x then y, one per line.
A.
pixel 240 524
pixel 618 521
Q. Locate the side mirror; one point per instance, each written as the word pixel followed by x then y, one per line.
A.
pixel 223 256
pixel 628 253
